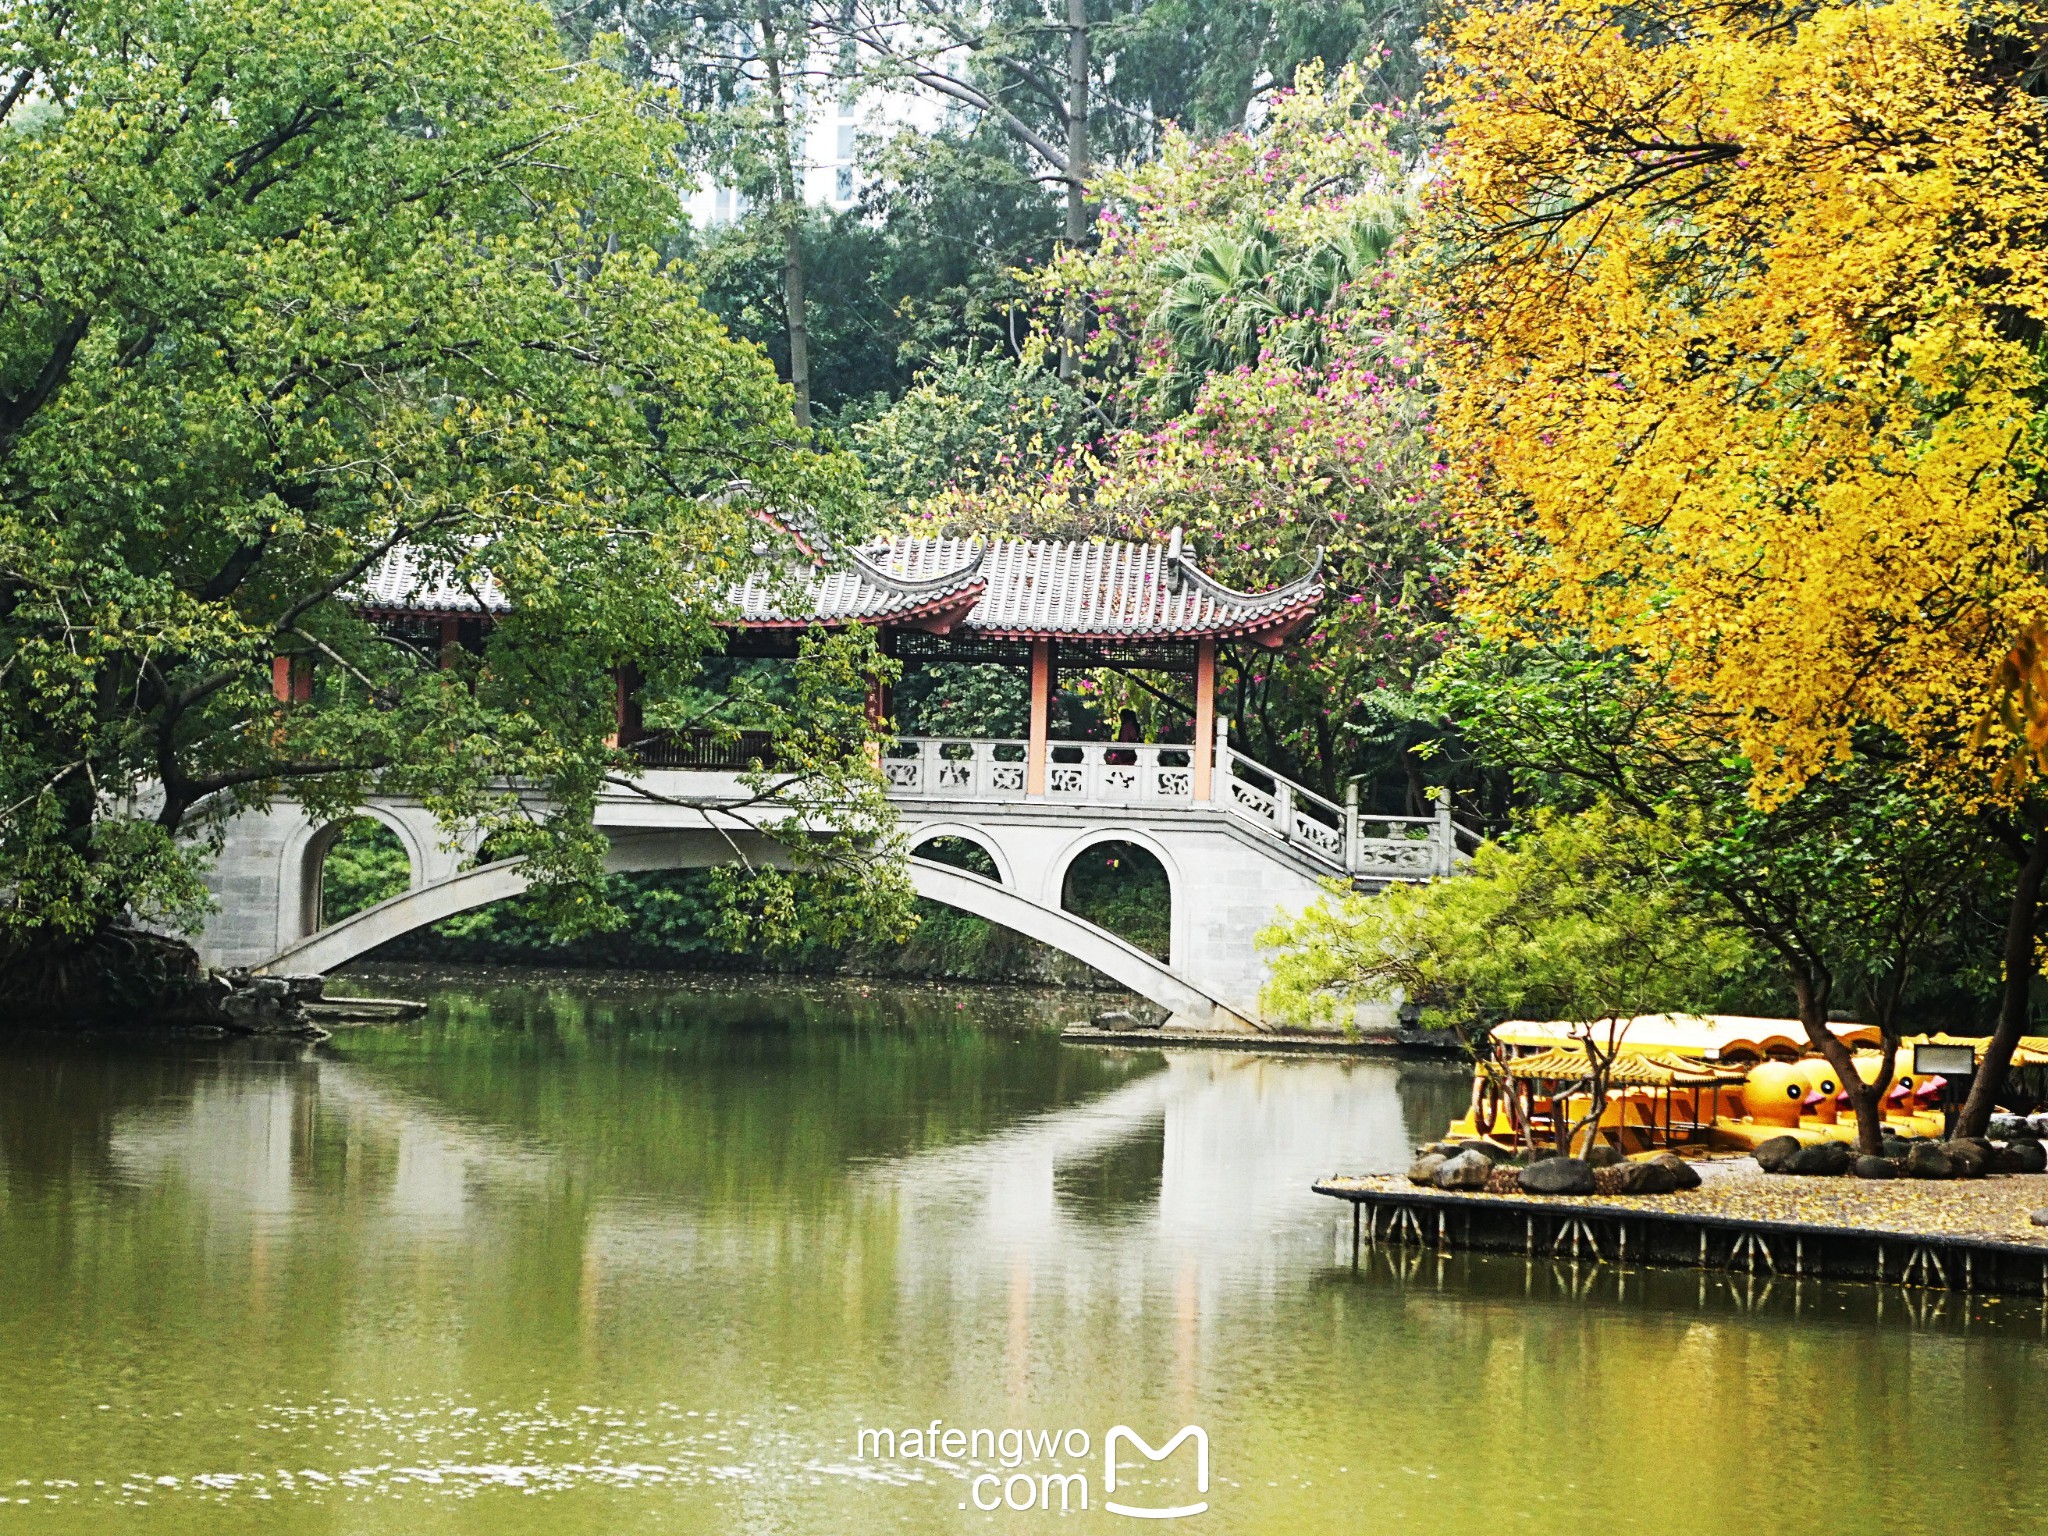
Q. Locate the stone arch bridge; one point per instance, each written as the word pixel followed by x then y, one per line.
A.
pixel 1241 846
pixel 1257 849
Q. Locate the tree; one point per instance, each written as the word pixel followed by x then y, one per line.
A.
pixel 1568 922
pixel 290 289
pixel 1744 369
pixel 1863 887
pixel 740 67
pixel 1272 405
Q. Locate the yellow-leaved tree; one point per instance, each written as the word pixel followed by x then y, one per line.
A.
pixel 1743 365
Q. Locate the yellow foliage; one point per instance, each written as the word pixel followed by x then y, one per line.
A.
pixel 1746 309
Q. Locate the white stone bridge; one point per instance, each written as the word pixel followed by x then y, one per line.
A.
pixel 1233 864
pixel 1241 847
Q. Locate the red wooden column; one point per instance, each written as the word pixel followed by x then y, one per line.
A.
pixel 628 722
pixel 881 705
pixel 1204 753
pixel 1041 717
pixel 291 679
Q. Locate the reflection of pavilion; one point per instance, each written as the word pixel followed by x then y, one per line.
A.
pixel 235 1140
pixel 1237 1138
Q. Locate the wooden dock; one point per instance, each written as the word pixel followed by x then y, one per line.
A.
pixel 1590 1230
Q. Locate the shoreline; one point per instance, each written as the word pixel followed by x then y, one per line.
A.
pixel 1970 1235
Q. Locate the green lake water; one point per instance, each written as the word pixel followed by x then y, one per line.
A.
pixel 579 1258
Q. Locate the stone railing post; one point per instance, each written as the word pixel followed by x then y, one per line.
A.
pixel 1221 787
pixel 1351 826
pixel 1283 808
pixel 1446 847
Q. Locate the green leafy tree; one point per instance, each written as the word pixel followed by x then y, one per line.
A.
pixel 1571 921
pixel 969 419
pixel 1867 889
pixel 290 287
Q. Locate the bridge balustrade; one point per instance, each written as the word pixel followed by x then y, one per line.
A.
pixel 1076 772
pixel 1118 773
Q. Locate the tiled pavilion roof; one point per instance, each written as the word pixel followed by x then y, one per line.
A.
pixel 1004 588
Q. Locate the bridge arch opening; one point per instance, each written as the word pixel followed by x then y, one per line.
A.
pixel 349 865
pixel 1124 887
pixel 961 852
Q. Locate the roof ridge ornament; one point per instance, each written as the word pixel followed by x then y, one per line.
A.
pixel 916 586
pixel 1312 577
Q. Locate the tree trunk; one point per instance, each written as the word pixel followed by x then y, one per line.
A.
pixel 1077 121
pixel 789 208
pixel 1077 171
pixel 1814 990
pixel 2022 920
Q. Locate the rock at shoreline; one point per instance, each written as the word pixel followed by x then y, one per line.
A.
pixel 1558 1176
pixel 1971 1159
pixel 2039 1218
pixel 1492 1149
pixel 2032 1155
pixel 1869 1167
pixel 1824 1159
pixel 1123 1018
pixel 1468 1170
pixel 2006 1127
pixel 1423 1169
pixel 1683 1174
pixel 2004 1159
pixel 1600 1155
pixel 1772 1155
pixel 1647 1178
pixel 1927 1161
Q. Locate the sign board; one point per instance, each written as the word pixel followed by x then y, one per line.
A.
pixel 1944 1060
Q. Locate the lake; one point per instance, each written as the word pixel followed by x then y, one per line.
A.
pixel 579 1256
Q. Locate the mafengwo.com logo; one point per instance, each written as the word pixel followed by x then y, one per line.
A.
pixel 1052 1469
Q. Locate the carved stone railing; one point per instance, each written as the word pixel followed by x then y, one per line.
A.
pixel 955 768
pixel 1076 772
pixel 1111 773
pixel 1119 773
pixel 1292 812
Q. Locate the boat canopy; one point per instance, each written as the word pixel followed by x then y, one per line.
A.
pixel 1707 1037
pixel 1570 1063
pixel 2032 1050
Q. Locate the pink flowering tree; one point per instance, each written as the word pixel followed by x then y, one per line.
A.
pixel 1258 365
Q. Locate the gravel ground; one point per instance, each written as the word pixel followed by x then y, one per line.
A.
pixel 1994 1208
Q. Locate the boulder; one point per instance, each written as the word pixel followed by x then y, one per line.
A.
pixel 1683 1174
pixel 1423 1169
pixel 1771 1155
pixel 2004 1159
pixel 1122 1018
pixel 1927 1161
pixel 1894 1147
pixel 1969 1158
pixel 1492 1149
pixel 2039 1218
pixel 1868 1167
pixel 1824 1159
pixel 2005 1127
pixel 1468 1170
pixel 1558 1176
pixel 1600 1155
pixel 2032 1155
pixel 2039 1124
pixel 1646 1178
